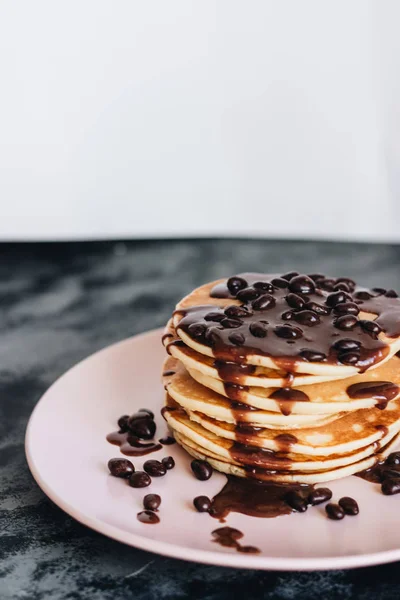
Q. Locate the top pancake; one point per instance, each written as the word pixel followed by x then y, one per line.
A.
pixel 359 328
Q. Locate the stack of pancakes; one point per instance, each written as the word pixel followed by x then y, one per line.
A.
pixel 290 378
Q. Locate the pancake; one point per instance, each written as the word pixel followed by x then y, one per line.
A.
pixel 321 337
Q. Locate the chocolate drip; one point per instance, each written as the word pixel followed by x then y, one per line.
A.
pixel 254 498
pixel 131 445
pixel 241 412
pixel 235 391
pixel 382 391
pixel 232 372
pixel 285 441
pixel 255 458
pixel 228 537
pixel 287 397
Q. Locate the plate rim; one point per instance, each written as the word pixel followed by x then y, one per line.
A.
pixel 224 559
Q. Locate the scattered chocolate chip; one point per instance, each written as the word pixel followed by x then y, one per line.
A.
pixel 258 330
pixel 312 355
pixel 288 332
pixel 231 323
pixel 327 284
pixel 307 317
pixel 248 294
pixel 334 511
pixel 212 335
pixel 316 276
pixel 197 330
pixel 237 312
pixel 148 516
pixel 379 291
pixel 167 440
pixel 294 300
pixel 202 503
pixel 391 294
pixel 279 282
pixel 301 284
pixel 123 423
pixel 287 315
pixel 146 411
pixel 390 487
pixel 371 327
pixel 264 286
pixel 201 469
pixel 346 344
pixel 349 358
pixel 393 459
pixel 143 427
pixel 236 338
pixel 296 501
pixel 349 282
pixel 347 308
pixel 289 276
pixel 319 495
pixel 234 284
pixel 349 505
pixel 264 302
pixel 341 286
pixel 317 308
pixel 346 322
pixel 363 295
pixel 337 298
pixel 214 316
pixel 168 462
pixel 155 468
pixel 390 474
pixel 152 501
pixel 139 479
pixel 121 467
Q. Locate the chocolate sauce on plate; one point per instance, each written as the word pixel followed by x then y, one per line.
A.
pixel 131 445
pixel 229 538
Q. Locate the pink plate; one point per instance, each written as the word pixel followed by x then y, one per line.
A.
pixel 67 453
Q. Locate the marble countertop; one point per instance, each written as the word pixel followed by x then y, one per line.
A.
pixel 61 302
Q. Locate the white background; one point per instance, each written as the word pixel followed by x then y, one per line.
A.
pixel 128 118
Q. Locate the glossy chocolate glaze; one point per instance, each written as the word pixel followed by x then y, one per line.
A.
pixel 287 397
pixel 229 538
pixel 381 391
pixel 131 445
pixel 318 334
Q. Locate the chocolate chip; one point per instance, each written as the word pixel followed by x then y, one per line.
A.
pixel 296 501
pixel 143 428
pixel 349 505
pixel 391 294
pixel 346 344
pixel 363 295
pixel 371 327
pixel 139 479
pixel 295 301
pixel 317 308
pixel 197 330
pixel 312 355
pixel 155 468
pixel 307 317
pixel 389 474
pixel 168 462
pixel 390 487
pixel 148 412
pixel 167 440
pixel 393 459
pixel 212 335
pixel 379 291
pixel 346 322
pixel 289 276
pixel 334 511
pixel 279 282
pixel 327 284
pixel 264 286
pixel 301 284
pixel 235 312
pixel 258 330
pixel 337 298
pixel 319 496
pixel 202 503
pixel 349 282
pixel 349 358
pixel 288 332
pixel 248 294
pixel 264 302
pixel 151 501
pixel 236 338
pixel 341 286
pixel 234 284
pixel 214 316
pixel 316 276
pixel 231 323
pixel 201 469
pixel 287 315
pixel 121 467
pixel 123 423
pixel 148 516
pixel 347 308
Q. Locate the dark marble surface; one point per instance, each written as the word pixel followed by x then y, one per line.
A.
pixel 61 302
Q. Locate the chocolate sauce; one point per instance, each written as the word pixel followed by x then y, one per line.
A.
pixel 380 471
pixel 232 372
pixel 167 440
pixel 133 447
pixel 382 391
pixel 254 498
pixel 228 537
pixel 290 344
pixel 178 343
pixel 148 516
pixel 284 441
pixel 234 391
pixel 287 397
pixel 257 459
